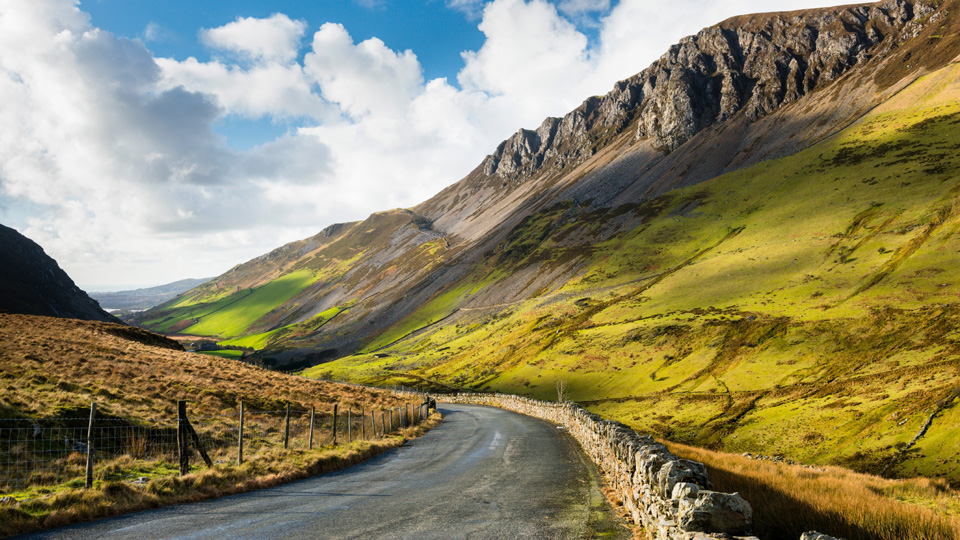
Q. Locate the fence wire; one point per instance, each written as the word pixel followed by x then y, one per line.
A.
pixel 53 451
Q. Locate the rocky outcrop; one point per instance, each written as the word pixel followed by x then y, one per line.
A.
pixel 32 283
pixel 748 65
pixel 671 498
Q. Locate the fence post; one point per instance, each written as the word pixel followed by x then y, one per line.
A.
pixel 197 442
pixel 349 425
pixel 286 430
pixel 363 430
pixel 335 424
pixel 240 438
pixel 313 412
pixel 406 414
pixel 93 412
pixel 373 423
pixel 182 450
pixel 383 423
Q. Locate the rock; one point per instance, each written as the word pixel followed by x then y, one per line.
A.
pixel 674 472
pixel 750 65
pixel 685 490
pixel 7 500
pixel 712 511
pixel 813 535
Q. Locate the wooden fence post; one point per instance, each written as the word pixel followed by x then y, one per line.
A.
pixel 335 424
pixel 349 425
pixel 240 438
pixel 406 414
pixel 198 443
pixel 93 412
pixel 373 423
pixel 383 423
pixel 182 450
pixel 286 430
pixel 313 413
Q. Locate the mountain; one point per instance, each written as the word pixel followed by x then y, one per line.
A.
pixel 140 299
pixel 32 283
pixel 746 246
pixel 749 89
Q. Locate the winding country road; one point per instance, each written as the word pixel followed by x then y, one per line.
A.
pixel 483 473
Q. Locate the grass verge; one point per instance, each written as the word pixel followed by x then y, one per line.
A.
pixel 791 499
pixel 267 469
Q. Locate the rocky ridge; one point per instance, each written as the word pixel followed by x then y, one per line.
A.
pixel 747 65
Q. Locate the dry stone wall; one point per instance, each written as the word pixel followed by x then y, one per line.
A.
pixel 671 497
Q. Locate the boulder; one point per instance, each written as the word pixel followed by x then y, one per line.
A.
pixel 674 472
pixel 712 511
pixel 685 490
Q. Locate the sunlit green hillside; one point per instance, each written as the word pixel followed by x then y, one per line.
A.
pixel 806 306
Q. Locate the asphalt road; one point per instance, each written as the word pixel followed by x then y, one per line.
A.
pixel 483 473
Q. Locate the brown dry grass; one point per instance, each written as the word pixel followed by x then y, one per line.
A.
pixel 269 469
pixel 56 367
pixel 791 499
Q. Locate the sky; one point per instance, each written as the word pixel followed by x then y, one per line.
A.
pixel 147 141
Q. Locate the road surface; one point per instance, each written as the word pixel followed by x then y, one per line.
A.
pixel 483 473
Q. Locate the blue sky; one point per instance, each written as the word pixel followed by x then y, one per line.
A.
pixel 146 141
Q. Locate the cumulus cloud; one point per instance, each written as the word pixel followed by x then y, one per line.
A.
pixel 113 152
pixel 362 78
pixel 276 38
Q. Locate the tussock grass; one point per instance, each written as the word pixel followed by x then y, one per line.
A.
pixel 55 367
pixel 265 469
pixel 791 499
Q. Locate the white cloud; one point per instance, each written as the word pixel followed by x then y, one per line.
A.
pixel 276 38
pixel 364 78
pixel 113 150
pixel 280 90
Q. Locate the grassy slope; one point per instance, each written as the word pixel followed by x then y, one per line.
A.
pixel 52 367
pixel 806 306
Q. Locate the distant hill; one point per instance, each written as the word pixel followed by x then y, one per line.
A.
pixel 146 298
pixel 32 283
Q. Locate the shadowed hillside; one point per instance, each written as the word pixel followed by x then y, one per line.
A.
pixel 32 283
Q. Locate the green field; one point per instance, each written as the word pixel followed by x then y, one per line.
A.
pixel 224 353
pixel 231 315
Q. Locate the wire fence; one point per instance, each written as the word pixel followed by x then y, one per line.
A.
pixel 77 451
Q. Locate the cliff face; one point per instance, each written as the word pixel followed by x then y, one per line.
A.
pixel 749 65
pixel 32 283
